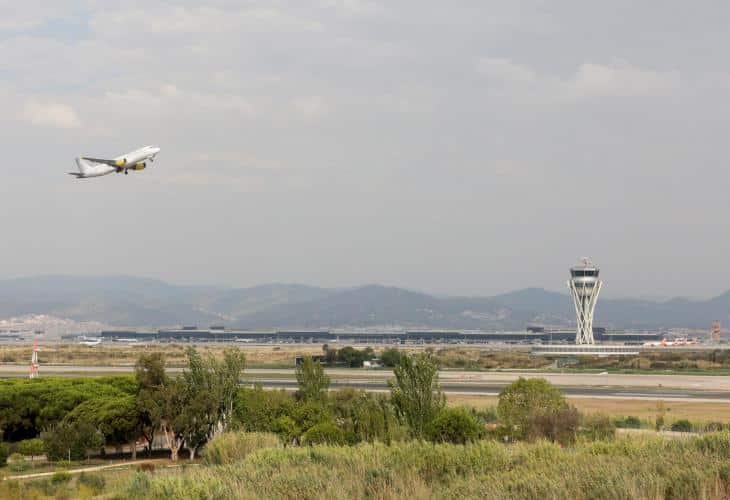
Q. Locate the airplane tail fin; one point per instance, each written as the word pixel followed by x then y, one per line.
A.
pixel 83 165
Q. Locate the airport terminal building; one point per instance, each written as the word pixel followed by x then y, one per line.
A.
pixel 532 335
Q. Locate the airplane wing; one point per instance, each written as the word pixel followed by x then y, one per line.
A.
pixel 111 163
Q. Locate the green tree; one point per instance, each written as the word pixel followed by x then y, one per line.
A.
pixel 29 406
pixel 199 412
pixel 118 419
pixel 256 410
pixel 173 400
pixel 454 425
pixel 313 382
pixel 354 357
pixel 390 357
pixel 526 403
pixel 210 386
pixel 415 392
pixel 72 440
pixel 227 376
pixel 151 378
pixel 31 448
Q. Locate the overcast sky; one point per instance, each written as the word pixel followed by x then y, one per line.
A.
pixel 461 148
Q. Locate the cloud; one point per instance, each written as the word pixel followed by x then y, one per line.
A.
pixel 310 106
pixel 589 80
pixel 172 98
pixel 31 14
pixel 198 20
pixel 505 69
pixel 50 114
pixel 621 80
pixel 352 7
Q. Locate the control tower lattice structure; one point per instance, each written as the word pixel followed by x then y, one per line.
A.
pixel 584 288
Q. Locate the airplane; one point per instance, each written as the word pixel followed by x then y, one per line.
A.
pixel 682 341
pixel 90 342
pixel 96 167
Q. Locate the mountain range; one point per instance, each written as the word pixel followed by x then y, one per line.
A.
pixel 140 302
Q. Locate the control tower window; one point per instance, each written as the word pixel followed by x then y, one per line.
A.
pixel 583 273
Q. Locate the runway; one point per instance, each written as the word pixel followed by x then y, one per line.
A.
pixel 707 388
pixel 490 389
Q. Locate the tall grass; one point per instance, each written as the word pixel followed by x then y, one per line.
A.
pixel 235 446
pixel 626 468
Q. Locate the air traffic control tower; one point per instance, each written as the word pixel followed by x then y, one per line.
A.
pixel 584 288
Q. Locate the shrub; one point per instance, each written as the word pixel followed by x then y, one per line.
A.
pixel 16 462
pixel 683 425
pixel 4 453
pixel 287 429
pixel 454 425
pixel 598 427
pixel 714 427
pixel 146 467
pixel 234 446
pixel 60 477
pixel 629 422
pixel 560 426
pixel 307 414
pixel 94 482
pixel 487 415
pixel 31 447
pixel 324 433
pixel 365 416
pixel 529 407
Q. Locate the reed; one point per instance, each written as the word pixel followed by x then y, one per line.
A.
pixel 627 467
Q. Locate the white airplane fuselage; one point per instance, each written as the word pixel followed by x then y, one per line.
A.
pixel 135 160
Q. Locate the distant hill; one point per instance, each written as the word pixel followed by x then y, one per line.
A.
pixel 140 302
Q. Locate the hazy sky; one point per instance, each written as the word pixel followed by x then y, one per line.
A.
pixel 453 147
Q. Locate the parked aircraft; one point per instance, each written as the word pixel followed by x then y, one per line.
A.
pixel 96 167
pixel 682 341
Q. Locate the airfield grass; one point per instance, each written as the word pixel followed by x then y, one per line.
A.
pixel 647 410
pixel 127 355
pixel 452 357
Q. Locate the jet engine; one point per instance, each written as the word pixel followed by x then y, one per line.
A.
pixel 139 166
